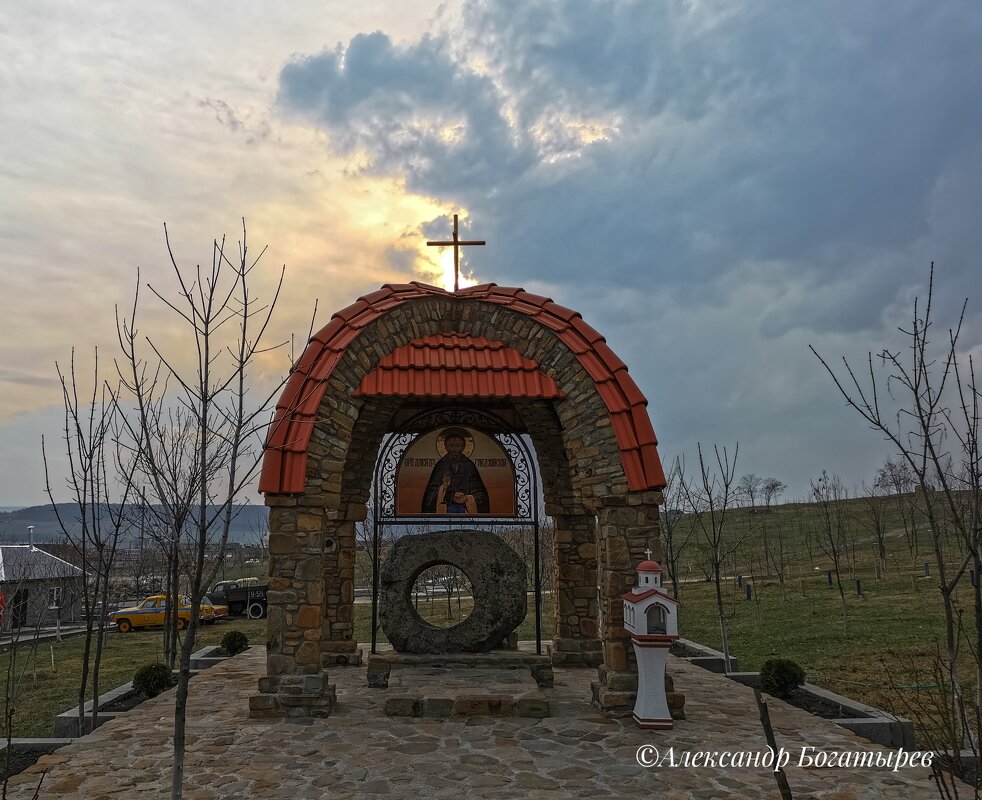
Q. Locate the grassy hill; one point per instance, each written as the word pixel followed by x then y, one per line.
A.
pixel 792 535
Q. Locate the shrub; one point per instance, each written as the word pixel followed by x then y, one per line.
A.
pixel 153 679
pixel 234 642
pixel 781 677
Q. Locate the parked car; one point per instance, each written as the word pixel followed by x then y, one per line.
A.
pixel 98 611
pixel 151 612
pixel 211 612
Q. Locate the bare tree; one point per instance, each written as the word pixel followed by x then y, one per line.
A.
pixel 898 479
pixel 924 400
pixel 804 532
pixel 365 532
pixel 775 554
pixel 829 494
pixel 199 427
pixel 770 490
pixel 874 519
pixel 521 539
pixel 451 581
pixel 141 564
pixel 259 539
pixel 710 496
pixel 100 482
pixel 749 488
pixel 940 729
pixel 164 439
pixel 676 529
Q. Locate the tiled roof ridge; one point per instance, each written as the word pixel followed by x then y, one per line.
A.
pixel 455 339
pixel 456 351
pixel 284 464
pixel 457 365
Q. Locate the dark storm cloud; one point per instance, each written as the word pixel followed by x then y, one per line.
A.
pixel 413 107
pixel 788 169
pixel 809 134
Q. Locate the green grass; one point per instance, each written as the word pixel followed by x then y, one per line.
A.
pixel 886 647
pixel 55 690
pixel 885 653
pixel 807 625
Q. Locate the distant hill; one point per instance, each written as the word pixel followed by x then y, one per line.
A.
pixel 249 520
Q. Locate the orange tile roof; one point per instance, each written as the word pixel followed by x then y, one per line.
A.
pixel 631 597
pixel 285 460
pixel 458 365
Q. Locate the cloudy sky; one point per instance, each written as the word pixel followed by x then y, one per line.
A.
pixel 714 185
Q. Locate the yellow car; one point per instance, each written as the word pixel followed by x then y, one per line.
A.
pixel 212 612
pixel 150 613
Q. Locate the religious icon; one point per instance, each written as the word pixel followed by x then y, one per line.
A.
pixel 455 485
pixel 455 471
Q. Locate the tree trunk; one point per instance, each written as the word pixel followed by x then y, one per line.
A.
pixel 842 598
pixel 86 649
pixel 724 638
pixel 101 628
pixel 181 704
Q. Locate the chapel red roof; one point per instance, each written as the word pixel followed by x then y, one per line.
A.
pixel 649 566
pixel 457 365
pixel 632 597
pixel 285 459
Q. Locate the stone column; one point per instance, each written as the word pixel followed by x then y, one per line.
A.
pixel 296 681
pixel 627 527
pixel 574 587
pixel 337 641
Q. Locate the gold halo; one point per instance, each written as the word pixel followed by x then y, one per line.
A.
pixel 441 448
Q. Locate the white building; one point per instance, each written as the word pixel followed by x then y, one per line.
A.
pixel 37 589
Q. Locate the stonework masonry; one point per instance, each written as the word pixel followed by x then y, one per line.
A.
pixel 601 529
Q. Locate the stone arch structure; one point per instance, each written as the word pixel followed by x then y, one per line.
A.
pixel 601 475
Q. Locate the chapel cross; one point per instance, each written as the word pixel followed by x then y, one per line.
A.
pixel 457 244
pixel 647 552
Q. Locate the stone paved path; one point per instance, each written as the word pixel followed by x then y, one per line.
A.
pixel 358 753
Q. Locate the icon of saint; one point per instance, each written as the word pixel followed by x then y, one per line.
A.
pixel 455 485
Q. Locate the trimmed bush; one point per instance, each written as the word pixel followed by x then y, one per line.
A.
pixel 152 679
pixel 781 677
pixel 234 642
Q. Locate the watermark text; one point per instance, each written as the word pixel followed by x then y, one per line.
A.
pixel 649 756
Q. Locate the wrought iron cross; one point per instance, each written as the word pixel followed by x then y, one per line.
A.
pixel 456 244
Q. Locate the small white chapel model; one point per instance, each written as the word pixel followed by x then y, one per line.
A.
pixel 651 617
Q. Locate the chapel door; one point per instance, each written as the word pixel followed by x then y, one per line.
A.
pixel 656 619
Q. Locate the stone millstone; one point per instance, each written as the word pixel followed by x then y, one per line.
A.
pixel 497 576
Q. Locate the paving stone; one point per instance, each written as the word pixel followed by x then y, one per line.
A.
pixel 530 780
pixel 358 752
pixel 571 773
pixel 416 748
pixel 488 782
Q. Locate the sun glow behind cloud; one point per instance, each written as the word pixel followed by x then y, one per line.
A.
pixel 437 270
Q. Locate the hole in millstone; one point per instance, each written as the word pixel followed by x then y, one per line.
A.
pixel 442 595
